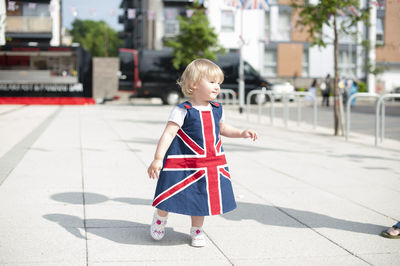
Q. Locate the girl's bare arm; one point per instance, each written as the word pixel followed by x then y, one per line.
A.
pixel 163 144
pixel 229 131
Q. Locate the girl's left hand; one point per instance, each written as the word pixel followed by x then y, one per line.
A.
pixel 249 133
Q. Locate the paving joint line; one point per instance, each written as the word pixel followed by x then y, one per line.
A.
pixel 332 193
pixel 83 188
pixel 13 110
pixel 303 223
pixel 219 249
pixel 13 157
pixel 124 141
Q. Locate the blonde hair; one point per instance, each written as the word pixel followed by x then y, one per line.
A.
pixel 197 70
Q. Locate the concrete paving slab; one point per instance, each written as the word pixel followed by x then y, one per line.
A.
pixel 389 259
pixel 303 198
pixel 135 244
pixel 323 260
pixel 106 215
pixel 17 123
pixel 19 214
pixel 51 245
pixel 166 262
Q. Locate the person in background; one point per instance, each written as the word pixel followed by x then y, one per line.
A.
pixel 312 90
pixel 392 232
pixel 327 90
pixel 346 90
pixel 353 90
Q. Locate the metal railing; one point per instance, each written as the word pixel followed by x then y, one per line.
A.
pixel 379 113
pixel 348 110
pixel 285 99
pixel 227 96
pixel 378 104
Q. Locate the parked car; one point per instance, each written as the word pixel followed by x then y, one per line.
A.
pixel 149 73
pixel 282 87
pixel 397 91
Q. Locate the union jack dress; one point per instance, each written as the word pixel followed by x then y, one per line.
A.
pixel 195 178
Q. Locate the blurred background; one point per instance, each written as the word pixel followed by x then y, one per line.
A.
pixel 95 49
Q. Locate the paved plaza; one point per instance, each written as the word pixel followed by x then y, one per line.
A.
pixel 74 191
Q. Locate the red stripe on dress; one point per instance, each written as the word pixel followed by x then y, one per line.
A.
pixel 179 186
pixel 224 172
pixel 188 141
pixel 212 171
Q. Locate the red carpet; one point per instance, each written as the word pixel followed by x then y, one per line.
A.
pixel 47 100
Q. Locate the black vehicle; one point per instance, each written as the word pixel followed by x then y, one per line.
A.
pixel 397 91
pixel 149 73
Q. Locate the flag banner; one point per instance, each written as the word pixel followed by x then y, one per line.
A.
pixel 112 12
pixel 354 10
pixel 189 13
pixel 74 12
pixel 51 8
pixel 248 4
pixel 11 6
pixel 266 40
pixel 131 13
pixel 32 5
pixel 233 3
pixel 340 12
pixel 151 15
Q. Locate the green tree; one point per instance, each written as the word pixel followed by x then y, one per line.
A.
pixel 96 36
pixel 313 17
pixel 196 39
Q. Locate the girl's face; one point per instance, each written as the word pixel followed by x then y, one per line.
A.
pixel 207 89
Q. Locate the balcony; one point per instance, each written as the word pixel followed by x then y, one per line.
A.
pixel 23 24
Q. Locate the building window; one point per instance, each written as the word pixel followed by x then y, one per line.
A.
pixel 171 23
pixel 305 64
pixel 284 31
pixel 267 25
pixel 35 9
pixel 347 63
pixel 227 20
pixel 270 62
pixel 380 4
pixel 380 31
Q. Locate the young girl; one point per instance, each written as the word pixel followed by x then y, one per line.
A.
pixel 194 178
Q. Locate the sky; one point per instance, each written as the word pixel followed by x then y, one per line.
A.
pixel 91 9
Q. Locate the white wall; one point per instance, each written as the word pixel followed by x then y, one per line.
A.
pixel 253 31
pixel 321 61
pixel 56 27
pixel 2 22
pixel 390 79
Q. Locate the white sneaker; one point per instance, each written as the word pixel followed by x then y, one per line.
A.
pixel 198 237
pixel 157 228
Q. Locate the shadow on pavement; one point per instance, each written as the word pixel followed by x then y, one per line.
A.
pixel 124 232
pixel 264 214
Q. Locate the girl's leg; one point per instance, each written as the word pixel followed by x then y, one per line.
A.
pixel 197 221
pixel 162 213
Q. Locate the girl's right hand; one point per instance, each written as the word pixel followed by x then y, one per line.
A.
pixel 154 169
